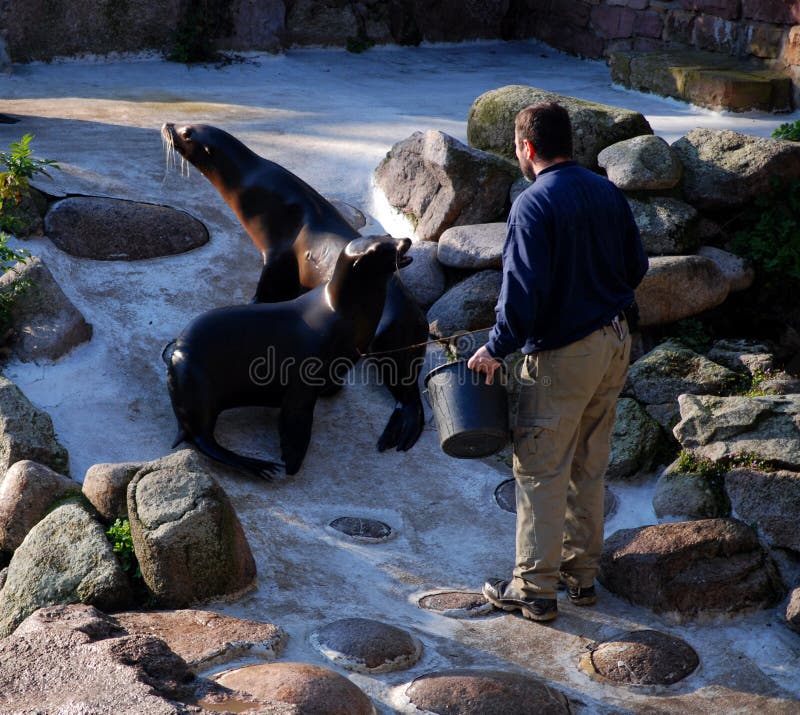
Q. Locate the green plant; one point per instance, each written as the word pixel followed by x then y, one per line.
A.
pixel 788 130
pixel 771 236
pixel 119 534
pixel 9 257
pixel 194 37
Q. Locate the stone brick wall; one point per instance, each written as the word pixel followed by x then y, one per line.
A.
pixel 764 29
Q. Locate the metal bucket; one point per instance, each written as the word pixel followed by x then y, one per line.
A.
pixel 471 416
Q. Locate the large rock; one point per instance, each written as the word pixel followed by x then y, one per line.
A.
pixel 106 487
pixel 27 491
pixel 75 659
pixel 204 638
pixel 644 163
pixel 468 305
pixel 310 688
pixel 671 369
pixel 677 287
pixel 770 500
pixel 473 247
pixel 45 322
pixel 737 271
pixel 724 169
pixel 689 495
pixel 438 182
pixel 793 610
pixel 666 225
pixel 310 22
pixel 727 427
pixel 65 558
pixel 485 692
pixel 747 356
pixel 186 535
pixel 107 229
pixel 490 125
pixel 635 440
pixel 424 278
pixel 26 432
pixel 691 567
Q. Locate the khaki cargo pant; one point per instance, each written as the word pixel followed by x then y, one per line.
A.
pixel 566 410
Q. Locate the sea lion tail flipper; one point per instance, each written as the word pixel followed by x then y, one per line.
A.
pixel 404 426
pixel 265 469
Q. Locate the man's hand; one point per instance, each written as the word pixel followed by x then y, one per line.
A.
pixel 482 361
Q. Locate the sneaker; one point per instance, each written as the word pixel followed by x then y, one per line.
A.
pixel 581 596
pixel 535 609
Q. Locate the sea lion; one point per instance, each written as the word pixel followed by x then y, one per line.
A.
pixel 300 235
pixel 280 354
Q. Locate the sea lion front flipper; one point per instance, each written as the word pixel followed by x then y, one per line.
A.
pixel 211 448
pixel 405 423
pixel 279 280
pixel 294 425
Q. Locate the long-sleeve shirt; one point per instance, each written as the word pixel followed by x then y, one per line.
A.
pixel 571 260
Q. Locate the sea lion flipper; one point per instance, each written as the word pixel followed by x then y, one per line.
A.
pixel 259 467
pixel 294 425
pixel 405 424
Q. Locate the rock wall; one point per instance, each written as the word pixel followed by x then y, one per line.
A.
pixel 764 29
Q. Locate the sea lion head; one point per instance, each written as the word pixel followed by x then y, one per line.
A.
pixel 210 150
pixel 378 252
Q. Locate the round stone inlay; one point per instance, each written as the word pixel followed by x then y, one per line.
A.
pixel 506 497
pixel 312 688
pixel 362 528
pixel 457 604
pixel 643 657
pixel 367 646
pixel 485 692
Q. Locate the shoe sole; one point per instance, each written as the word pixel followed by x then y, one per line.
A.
pixel 524 610
pixel 589 601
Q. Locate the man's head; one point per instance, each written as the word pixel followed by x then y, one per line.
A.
pixel 542 135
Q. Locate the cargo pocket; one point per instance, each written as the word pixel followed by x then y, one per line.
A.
pixel 534 439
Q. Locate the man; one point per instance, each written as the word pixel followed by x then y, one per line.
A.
pixel 571 261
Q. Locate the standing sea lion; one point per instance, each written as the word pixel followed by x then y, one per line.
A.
pixel 280 354
pixel 300 235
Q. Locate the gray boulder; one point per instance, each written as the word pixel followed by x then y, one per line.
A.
pixel 27 491
pixel 667 415
pixel 793 610
pixel 644 163
pixel 186 535
pixel 666 225
pixel 738 272
pixel 671 369
pixel 45 322
pixel 770 500
pixel 65 558
pixel 718 428
pixel 108 229
pixel 310 22
pixel 438 182
pixel 691 567
pixel 26 432
pixel 75 659
pixel 490 124
pixel 724 169
pixel 106 487
pixel 747 356
pixel 635 439
pixel 473 247
pixel 468 305
pixel 424 277
pixel 518 187
pixel 678 287
pixel 688 495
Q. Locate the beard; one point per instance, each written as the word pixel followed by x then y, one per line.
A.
pixel 527 170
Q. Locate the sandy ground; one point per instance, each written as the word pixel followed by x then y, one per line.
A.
pixel 330 117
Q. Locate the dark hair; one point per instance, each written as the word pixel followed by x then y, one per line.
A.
pixel 548 128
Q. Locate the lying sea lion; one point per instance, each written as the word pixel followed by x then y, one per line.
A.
pixel 280 354
pixel 300 235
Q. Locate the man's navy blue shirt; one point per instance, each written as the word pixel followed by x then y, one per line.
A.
pixel 571 260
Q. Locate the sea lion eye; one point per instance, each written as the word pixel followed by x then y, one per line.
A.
pixel 186 134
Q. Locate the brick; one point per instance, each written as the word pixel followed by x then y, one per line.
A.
pixel 575 40
pixel 765 41
pixel 648 24
pixel 777 11
pixel 726 9
pixel 680 27
pixel 572 13
pixel 648 44
pixel 791 50
pixel 717 35
pixel 612 22
pixel 632 4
